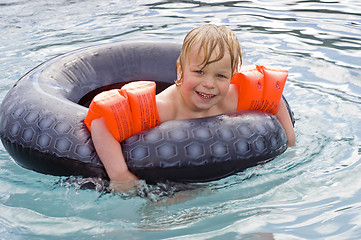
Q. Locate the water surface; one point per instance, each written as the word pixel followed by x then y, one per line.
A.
pixel 312 191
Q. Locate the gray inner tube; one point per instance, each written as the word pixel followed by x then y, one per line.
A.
pixel 41 120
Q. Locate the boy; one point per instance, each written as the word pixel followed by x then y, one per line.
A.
pixel 209 58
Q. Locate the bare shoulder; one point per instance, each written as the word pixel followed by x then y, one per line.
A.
pixel 165 104
pixel 231 100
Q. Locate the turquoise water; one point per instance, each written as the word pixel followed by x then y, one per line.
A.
pixel 312 191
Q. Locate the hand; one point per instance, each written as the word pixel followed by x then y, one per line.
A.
pixel 122 186
pixel 125 176
pixel 126 182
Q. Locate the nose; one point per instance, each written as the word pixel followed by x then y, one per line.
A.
pixel 208 82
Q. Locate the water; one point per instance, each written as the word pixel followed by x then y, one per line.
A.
pixel 310 192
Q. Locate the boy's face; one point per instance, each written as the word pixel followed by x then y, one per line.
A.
pixel 205 86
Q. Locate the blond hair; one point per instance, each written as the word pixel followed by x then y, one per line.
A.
pixel 209 37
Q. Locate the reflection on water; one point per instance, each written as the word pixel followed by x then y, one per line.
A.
pixel 310 192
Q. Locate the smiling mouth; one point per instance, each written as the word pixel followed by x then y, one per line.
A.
pixel 207 96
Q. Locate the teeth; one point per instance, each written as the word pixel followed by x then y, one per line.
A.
pixel 205 95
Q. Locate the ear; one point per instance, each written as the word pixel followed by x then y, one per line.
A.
pixel 179 71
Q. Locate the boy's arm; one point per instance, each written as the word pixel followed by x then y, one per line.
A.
pixel 110 152
pixel 285 120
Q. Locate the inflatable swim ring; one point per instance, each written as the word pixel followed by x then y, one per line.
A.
pixel 41 120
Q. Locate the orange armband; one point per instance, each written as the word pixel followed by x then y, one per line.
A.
pixel 260 88
pixel 127 111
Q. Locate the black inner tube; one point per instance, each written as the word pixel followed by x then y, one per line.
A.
pixel 41 118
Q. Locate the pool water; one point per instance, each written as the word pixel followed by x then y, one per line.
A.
pixel 312 191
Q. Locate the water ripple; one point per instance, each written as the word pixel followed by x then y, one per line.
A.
pixel 310 192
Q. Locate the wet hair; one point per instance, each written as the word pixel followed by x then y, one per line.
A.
pixel 209 37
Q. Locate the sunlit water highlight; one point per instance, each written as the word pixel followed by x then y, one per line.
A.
pixel 312 191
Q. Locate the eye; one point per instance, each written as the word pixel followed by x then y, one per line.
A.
pixel 222 76
pixel 199 72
